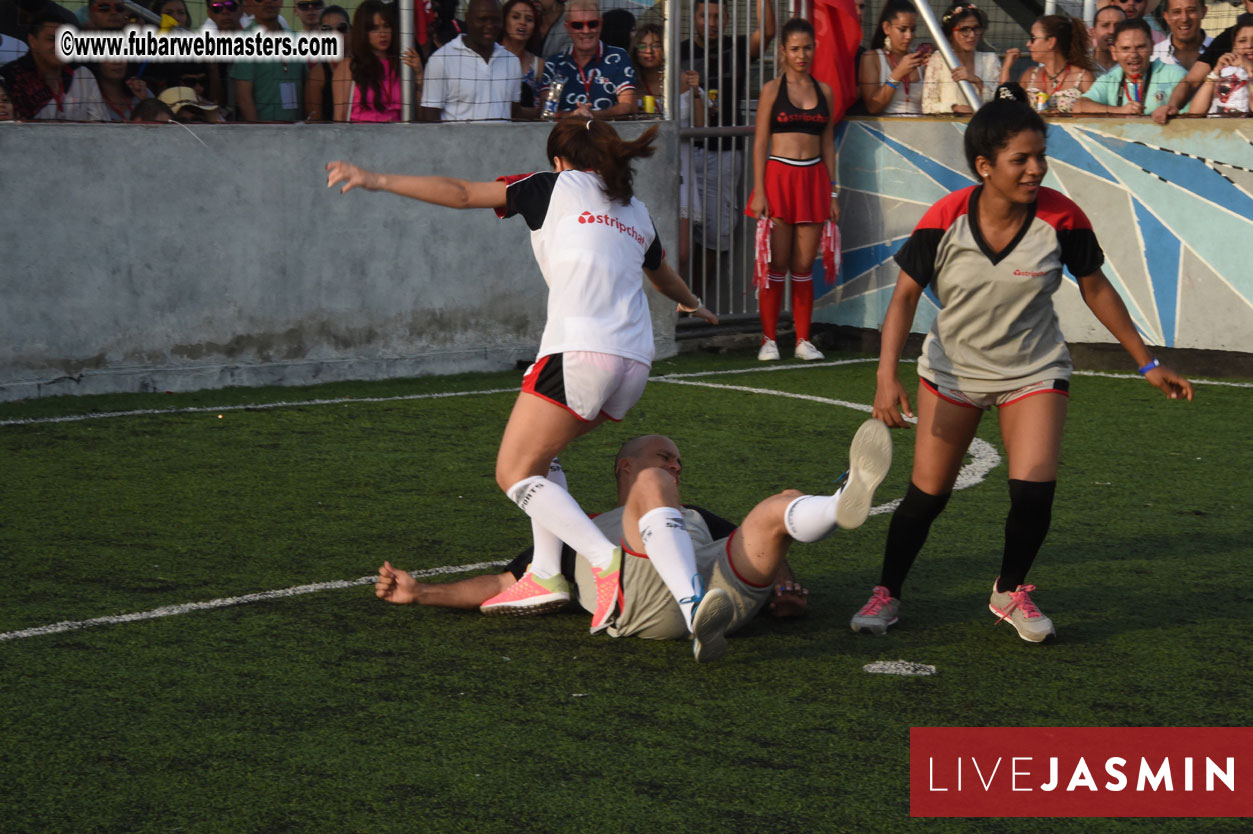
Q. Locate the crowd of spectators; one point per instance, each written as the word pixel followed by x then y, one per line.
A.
pixel 597 59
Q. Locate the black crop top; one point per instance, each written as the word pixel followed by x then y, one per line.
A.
pixel 786 118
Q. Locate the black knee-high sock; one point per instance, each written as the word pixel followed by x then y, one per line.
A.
pixel 1030 512
pixel 909 528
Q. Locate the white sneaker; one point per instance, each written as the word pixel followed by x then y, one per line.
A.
pixel 769 351
pixel 709 625
pixel 805 350
pixel 869 459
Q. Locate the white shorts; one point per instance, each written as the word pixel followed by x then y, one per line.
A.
pixel 588 384
pixel 1000 399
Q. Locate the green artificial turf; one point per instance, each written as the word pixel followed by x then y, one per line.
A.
pixel 334 712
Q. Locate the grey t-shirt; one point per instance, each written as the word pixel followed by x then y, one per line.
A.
pixel 997 330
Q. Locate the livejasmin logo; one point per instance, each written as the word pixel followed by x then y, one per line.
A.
pixel 1081 772
pixel 1020 772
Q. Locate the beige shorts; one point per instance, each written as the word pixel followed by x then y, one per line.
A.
pixel 649 609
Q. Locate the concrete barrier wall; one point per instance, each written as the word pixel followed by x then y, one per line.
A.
pixel 1172 207
pixel 141 258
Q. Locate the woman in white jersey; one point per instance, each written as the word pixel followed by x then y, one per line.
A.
pixel 993 255
pixel 591 238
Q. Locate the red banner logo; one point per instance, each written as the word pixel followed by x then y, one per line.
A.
pixel 1081 772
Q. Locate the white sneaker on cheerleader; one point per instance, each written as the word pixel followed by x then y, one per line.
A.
pixel 805 350
pixel 769 351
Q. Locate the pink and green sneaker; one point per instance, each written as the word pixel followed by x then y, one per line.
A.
pixel 529 596
pixel 608 592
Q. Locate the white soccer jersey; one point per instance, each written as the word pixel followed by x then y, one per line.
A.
pixel 997 329
pixel 591 252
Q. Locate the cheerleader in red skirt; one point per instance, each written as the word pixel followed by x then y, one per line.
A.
pixel 793 184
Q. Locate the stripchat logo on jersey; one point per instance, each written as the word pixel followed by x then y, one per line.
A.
pixel 613 223
pixel 1081 771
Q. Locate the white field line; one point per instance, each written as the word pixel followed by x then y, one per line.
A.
pixel 188 607
pixel 205 409
pixel 1222 382
pixel 146 412
pixel 985 459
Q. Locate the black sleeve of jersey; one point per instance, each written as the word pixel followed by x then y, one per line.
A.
pixel 1221 45
pixel 917 256
pixel 1081 253
pixel 518 566
pixel 567 563
pixel 718 526
pixel 652 258
pixel 530 197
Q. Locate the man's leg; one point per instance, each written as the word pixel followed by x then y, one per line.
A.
pixel 653 523
pixel 768 532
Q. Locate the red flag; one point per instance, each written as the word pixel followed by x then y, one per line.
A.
pixel 838 34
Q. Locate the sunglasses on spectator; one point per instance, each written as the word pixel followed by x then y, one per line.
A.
pixel 309 5
pixel 104 7
pixel 578 25
pixel 342 28
pixel 226 6
pixel 969 30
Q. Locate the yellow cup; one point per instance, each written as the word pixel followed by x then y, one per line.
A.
pixel 650 104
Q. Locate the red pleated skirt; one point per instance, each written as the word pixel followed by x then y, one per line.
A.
pixel 797 190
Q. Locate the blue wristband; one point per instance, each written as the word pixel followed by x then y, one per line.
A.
pixel 1154 364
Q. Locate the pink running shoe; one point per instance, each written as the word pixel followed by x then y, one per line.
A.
pixel 530 596
pixel 608 592
pixel 878 613
pixel 1016 608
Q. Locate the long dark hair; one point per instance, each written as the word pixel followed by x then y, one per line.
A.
pixel 534 45
pixel 958 12
pixel 367 69
pixel 890 10
pixel 593 145
pixel 654 29
pixel 797 25
pixel 998 121
pixel 1072 38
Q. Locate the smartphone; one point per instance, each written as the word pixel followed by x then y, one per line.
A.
pixel 925 49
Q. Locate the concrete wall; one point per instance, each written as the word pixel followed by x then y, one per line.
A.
pixel 1172 207
pixel 140 258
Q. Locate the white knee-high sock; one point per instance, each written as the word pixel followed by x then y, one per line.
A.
pixel 669 548
pixel 811 518
pixel 557 511
pixel 546 560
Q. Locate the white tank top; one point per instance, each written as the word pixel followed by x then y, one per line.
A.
pixel 902 101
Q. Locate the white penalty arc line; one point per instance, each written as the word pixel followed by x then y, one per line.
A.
pixel 984 454
pixel 227 602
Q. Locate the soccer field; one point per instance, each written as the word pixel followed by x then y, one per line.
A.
pixel 189 640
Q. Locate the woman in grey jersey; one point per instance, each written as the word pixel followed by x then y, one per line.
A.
pixel 993 254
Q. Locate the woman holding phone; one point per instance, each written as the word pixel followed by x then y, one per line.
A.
pixel 890 75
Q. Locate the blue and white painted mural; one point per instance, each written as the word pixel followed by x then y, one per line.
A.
pixel 1172 207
